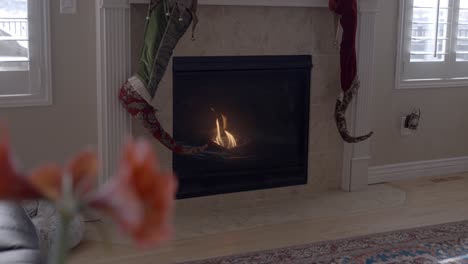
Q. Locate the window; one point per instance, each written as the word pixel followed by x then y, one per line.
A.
pixel 24 53
pixel 433 43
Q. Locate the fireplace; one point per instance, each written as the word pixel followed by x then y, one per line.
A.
pixel 251 112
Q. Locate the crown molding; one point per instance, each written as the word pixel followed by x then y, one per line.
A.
pixel 284 3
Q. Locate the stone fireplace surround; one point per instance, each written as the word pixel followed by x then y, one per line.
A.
pixel 228 29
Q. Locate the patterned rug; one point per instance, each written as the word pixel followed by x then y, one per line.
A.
pixel 444 244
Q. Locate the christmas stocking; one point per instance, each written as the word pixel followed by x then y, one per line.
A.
pixel 347 11
pixel 167 22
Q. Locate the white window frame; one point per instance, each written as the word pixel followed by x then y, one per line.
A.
pixel 403 57
pixel 40 87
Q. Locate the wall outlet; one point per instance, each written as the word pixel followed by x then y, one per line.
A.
pixel 68 6
pixel 405 131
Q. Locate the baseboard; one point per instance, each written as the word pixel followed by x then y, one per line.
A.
pixel 411 170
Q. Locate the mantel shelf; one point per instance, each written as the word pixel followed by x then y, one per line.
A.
pixel 297 3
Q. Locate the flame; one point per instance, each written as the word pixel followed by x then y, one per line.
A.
pixel 223 137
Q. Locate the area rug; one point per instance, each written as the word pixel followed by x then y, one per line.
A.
pixel 444 244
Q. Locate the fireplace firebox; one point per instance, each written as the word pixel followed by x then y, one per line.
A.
pixel 251 113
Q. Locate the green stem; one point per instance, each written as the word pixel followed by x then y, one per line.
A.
pixel 59 252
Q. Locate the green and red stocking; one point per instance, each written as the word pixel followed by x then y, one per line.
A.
pixel 167 22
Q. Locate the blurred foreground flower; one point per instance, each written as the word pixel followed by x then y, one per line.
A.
pixel 139 197
pixel 142 197
pixel 13 184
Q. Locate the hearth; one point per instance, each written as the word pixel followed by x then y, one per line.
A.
pixel 252 113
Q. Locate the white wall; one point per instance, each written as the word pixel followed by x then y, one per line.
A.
pixel 444 127
pixel 53 133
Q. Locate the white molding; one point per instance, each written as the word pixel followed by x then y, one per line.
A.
pixel 411 170
pixel 113 65
pixel 114 3
pixel 368 6
pixel 292 3
pixel 422 84
pixel 25 100
pixel 356 157
pixel 41 84
pixel 400 44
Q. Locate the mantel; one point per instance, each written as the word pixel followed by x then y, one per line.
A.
pixel 298 3
pixel 364 5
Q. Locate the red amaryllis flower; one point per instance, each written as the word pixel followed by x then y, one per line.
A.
pixel 140 197
pixel 13 184
pixel 82 171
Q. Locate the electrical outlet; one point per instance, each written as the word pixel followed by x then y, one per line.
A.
pixel 405 131
pixel 67 6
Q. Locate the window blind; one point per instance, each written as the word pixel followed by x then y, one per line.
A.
pixel 435 40
pixel 430 30
pixel 24 53
pixel 14 35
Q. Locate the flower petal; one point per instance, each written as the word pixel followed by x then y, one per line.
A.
pixel 83 169
pixel 155 190
pixel 141 197
pixel 13 184
pixel 47 180
pixel 119 202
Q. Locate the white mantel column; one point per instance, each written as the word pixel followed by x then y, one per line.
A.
pixel 357 156
pixel 113 64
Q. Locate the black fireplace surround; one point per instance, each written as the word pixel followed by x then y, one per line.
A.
pixel 251 113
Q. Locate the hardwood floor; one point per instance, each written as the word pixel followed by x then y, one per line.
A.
pixel 334 215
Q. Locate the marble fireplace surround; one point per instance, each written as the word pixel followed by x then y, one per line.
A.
pixel 115 65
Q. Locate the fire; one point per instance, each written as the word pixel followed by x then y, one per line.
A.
pixel 223 137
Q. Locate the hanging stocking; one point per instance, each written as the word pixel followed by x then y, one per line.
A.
pixel 167 22
pixel 347 10
pixel 144 112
